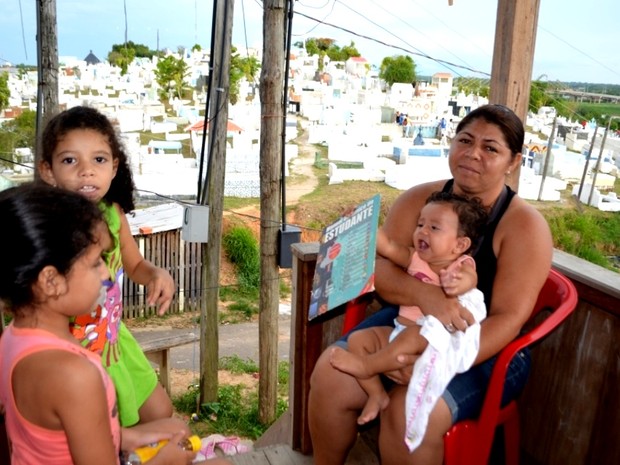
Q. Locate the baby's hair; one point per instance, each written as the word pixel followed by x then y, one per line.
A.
pixel 122 188
pixel 41 226
pixel 473 217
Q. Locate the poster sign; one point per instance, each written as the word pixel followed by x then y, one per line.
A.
pixel 345 266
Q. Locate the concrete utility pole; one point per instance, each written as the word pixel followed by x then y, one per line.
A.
pixel 271 95
pixel 513 59
pixel 47 61
pixel 218 114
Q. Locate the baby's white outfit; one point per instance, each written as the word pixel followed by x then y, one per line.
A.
pixel 446 355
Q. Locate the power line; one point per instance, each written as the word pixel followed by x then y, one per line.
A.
pixel 580 51
pixel 397 47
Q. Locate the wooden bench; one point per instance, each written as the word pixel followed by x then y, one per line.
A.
pixel 157 350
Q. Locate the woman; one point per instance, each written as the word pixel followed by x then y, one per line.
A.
pixel 513 262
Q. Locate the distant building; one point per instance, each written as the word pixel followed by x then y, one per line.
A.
pixel 357 66
pixel 91 59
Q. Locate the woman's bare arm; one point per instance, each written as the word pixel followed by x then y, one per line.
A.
pixel 393 283
pixel 524 249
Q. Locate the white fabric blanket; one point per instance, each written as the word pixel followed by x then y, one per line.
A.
pixel 446 355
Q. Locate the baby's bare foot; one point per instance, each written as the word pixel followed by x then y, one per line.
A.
pixel 374 405
pixel 348 362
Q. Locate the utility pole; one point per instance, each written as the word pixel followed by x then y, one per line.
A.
pixel 217 125
pixel 271 95
pixel 47 63
pixel 513 59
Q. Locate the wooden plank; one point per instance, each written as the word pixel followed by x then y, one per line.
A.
pixel 286 456
pixel 251 458
pixel 569 408
pixel 167 342
pixel 305 344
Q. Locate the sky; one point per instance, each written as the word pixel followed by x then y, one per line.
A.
pixel 575 41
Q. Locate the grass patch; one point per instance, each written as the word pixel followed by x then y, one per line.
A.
pixel 592 235
pixel 242 249
pixel 233 203
pixel 236 409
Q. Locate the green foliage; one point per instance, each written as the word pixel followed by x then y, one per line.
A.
pixel 241 67
pixel 336 53
pixel 123 54
pixel 237 366
pixel 241 310
pixel 170 75
pixel 599 111
pixel 139 50
pixel 236 409
pixel 4 90
pixel 477 86
pixel 323 47
pixel 399 68
pixel 17 133
pixel 242 249
pixel 593 236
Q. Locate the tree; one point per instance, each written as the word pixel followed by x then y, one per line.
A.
pixel 472 86
pixel 319 46
pixel 336 53
pixel 17 133
pixel 123 54
pixel 400 68
pixel 5 93
pixel 241 67
pixel 170 75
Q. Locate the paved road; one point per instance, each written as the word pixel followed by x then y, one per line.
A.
pixel 239 339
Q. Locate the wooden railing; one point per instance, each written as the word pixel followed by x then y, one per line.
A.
pixel 183 260
pixel 570 409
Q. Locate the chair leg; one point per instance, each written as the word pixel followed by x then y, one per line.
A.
pixel 512 439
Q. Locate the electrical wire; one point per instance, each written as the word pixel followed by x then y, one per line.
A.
pixel 21 17
pixel 397 47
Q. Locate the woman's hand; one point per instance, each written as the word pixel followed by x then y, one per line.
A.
pixel 459 280
pixel 403 375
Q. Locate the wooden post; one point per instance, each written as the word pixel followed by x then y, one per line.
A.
pixel 308 340
pixel 305 344
pixel 271 93
pixel 513 59
pixel 218 113
pixel 47 60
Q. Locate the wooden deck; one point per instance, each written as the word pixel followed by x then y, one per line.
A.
pixel 284 455
pixel 273 448
pixel 272 455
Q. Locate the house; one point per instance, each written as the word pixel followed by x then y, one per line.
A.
pixel 357 66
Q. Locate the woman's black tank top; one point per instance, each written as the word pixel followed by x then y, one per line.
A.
pixel 486 261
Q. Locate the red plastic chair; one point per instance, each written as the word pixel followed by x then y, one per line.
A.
pixel 469 442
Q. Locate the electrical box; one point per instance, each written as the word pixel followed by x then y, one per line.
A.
pixel 195 223
pixel 286 238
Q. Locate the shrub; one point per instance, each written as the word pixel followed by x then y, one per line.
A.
pixel 242 249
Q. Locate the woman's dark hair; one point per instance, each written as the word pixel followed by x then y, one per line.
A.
pixel 80 117
pixel 472 215
pixel 504 118
pixel 41 226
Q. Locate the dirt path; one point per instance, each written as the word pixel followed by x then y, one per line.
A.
pixel 301 179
